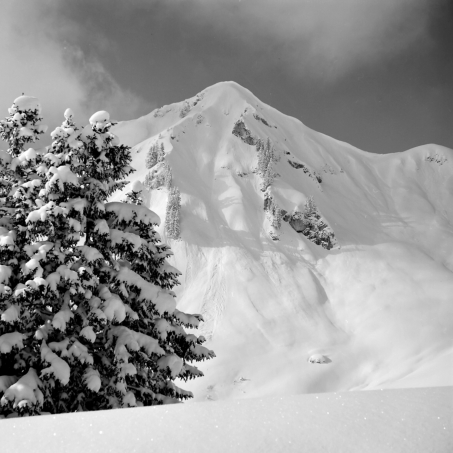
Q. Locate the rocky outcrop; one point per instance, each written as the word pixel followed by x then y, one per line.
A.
pixel 241 131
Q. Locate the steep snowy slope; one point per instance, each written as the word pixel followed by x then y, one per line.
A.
pixel 378 305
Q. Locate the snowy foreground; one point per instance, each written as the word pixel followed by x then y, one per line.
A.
pixel 408 420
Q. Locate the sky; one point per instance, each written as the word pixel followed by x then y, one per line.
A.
pixel 375 73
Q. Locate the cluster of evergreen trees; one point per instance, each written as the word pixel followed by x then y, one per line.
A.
pixel 313 226
pixel 87 317
pixel 267 157
pixel 274 215
pixel 163 177
pixel 155 155
pixel 173 214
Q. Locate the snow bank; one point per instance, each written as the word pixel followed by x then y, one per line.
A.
pixel 128 212
pixel 99 117
pixel 11 340
pixel 23 103
pixel 68 114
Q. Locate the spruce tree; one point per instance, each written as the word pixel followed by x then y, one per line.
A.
pixel 268 177
pixel 173 214
pixel 168 177
pixel 161 153
pixel 134 196
pixel 151 156
pixel 88 318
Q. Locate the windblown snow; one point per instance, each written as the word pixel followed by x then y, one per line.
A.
pixel 284 315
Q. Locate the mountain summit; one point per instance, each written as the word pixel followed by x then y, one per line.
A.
pixel 316 266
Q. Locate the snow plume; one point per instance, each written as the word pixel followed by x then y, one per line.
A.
pixel 34 36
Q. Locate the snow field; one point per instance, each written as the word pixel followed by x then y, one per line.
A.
pixel 403 421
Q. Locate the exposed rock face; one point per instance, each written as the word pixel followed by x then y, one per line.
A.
pixel 259 118
pixel 297 165
pixel 298 224
pixel 240 130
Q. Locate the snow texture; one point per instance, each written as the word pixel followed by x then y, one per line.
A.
pixel 99 117
pixel 24 103
pixel 11 340
pixel 126 212
pixel 58 367
pixel 406 421
pixel 25 391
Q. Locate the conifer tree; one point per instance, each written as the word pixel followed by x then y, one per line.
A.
pixel 168 177
pixel 173 214
pixel 268 177
pixel 134 197
pixel 88 319
pixel 151 156
pixel 276 216
pixel 316 229
pixel 266 161
pixel 161 153
pixel 261 166
pixel 148 181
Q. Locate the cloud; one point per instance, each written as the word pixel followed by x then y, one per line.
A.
pixel 327 38
pixel 318 38
pixel 38 60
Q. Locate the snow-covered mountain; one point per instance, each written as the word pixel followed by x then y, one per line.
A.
pixel 378 306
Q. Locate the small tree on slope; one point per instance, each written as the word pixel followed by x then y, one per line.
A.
pixel 173 214
pixel 92 326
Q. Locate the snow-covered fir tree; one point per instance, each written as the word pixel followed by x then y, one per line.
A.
pixel 273 215
pixel 161 153
pixel 168 177
pixel 173 214
pixel 276 214
pixel 148 181
pixel 88 319
pixel 261 166
pixel 134 196
pixel 151 156
pixel 185 109
pixel 267 157
pixel 268 176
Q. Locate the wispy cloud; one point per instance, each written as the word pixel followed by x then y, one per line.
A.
pixel 38 60
pixel 320 38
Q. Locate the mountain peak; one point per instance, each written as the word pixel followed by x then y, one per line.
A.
pixel 257 270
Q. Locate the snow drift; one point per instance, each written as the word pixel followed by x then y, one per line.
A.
pixel 376 309
pixel 409 420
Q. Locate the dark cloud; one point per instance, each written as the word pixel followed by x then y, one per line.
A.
pixel 40 57
pixel 375 73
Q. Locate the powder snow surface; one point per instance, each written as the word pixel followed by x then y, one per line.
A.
pixel 403 421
